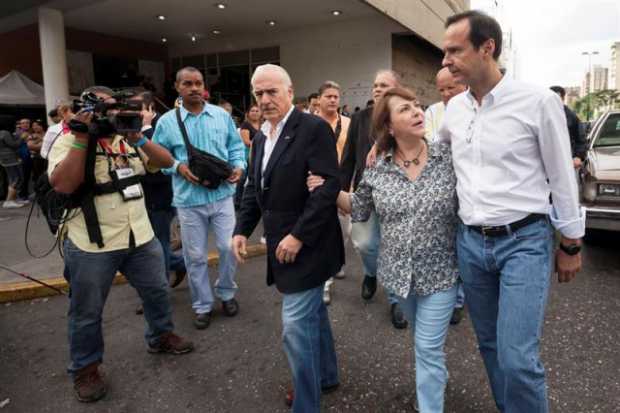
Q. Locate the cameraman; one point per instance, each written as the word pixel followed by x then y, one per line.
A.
pixel 123 239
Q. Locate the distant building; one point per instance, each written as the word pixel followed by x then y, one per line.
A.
pixel 595 80
pixel 598 80
pixel 614 67
pixel 572 95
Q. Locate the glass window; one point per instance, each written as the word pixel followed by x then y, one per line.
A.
pixel 609 134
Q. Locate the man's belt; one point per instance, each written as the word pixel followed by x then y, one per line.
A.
pixel 501 230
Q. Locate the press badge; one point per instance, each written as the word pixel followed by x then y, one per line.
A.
pixel 131 192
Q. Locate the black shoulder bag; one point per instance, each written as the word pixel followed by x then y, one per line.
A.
pixel 208 168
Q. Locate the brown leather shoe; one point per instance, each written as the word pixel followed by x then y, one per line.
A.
pixel 88 384
pixel 172 344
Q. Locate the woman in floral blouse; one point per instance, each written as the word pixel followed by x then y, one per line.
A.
pixel 412 188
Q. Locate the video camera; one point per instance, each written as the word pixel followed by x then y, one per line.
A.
pixel 127 119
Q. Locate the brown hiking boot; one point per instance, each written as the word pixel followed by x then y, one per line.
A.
pixel 88 384
pixel 171 343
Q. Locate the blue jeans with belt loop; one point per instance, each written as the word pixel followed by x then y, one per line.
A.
pixel 506 280
pixel 90 276
pixel 195 223
pixel 309 347
pixel 429 316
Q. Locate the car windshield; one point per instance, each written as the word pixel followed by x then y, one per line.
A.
pixel 609 134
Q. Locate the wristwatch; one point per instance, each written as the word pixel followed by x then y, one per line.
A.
pixel 572 249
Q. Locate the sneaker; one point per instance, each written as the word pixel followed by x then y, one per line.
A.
pixel 172 344
pixel 340 274
pixel 457 316
pixel 22 201
pixel 327 295
pixel 88 384
pixel 202 321
pixel 12 204
pixel 230 307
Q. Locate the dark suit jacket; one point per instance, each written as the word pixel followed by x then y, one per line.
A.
pixel 307 143
pixel 157 186
pixel 578 143
pixel 356 149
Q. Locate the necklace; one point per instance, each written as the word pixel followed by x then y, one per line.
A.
pixel 416 161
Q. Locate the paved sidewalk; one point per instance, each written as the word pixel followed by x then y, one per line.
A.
pixel 13 252
pixel 239 366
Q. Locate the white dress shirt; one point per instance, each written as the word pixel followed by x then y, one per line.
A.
pixel 509 154
pixel 52 133
pixel 272 136
pixel 433 117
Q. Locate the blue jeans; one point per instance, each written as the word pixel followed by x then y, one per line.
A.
pixel 160 221
pixel 506 283
pixel 429 316
pixel 90 276
pixel 366 237
pixel 460 294
pixel 195 223
pixel 309 347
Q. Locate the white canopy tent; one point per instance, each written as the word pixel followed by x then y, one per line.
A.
pixel 18 90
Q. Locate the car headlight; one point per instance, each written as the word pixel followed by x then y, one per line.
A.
pixel 589 191
pixel 608 190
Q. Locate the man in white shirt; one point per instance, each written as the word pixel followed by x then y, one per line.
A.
pixel 55 131
pixel 510 151
pixel 433 116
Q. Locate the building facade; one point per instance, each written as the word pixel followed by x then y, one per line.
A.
pixel 614 67
pixel 114 42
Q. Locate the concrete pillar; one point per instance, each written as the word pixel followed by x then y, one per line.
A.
pixel 53 57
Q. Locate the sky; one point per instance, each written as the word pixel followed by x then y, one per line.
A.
pixel 550 35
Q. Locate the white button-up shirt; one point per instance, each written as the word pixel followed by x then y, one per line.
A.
pixel 272 137
pixel 509 154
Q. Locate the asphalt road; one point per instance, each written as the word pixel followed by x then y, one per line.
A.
pixel 238 365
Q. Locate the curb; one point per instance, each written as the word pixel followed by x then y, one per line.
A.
pixel 19 291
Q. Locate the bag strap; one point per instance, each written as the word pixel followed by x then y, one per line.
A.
pixel 88 198
pixel 188 145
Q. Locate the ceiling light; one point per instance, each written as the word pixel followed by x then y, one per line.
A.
pixel 336 12
pixel 220 6
pixel 193 38
pixel 271 22
pixel 164 40
pixel 160 17
pixel 216 31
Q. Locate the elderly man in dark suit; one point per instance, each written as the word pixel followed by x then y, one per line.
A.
pixel 304 240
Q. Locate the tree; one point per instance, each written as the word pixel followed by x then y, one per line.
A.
pixel 596 102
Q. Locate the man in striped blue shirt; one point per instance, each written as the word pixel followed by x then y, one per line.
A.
pixel 211 129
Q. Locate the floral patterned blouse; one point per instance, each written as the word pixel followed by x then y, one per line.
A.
pixel 417 220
